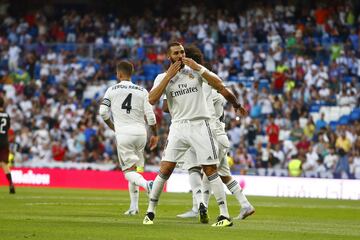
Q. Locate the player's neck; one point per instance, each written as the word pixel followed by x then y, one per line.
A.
pixel 124 79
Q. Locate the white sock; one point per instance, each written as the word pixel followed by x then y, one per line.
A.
pixel 195 183
pixel 206 190
pixel 156 191
pixel 134 196
pixel 195 205
pixel 136 178
pixel 236 190
pixel 219 193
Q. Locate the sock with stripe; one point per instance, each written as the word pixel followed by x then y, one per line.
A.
pixel 236 190
pixel 219 193
pixel 195 183
pixel 206 189
pixel 156 191
pixel 134 196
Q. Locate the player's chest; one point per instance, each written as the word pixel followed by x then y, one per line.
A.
pixel 183 81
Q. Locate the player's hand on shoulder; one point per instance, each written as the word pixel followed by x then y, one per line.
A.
pixel 191 63
pixel 173 69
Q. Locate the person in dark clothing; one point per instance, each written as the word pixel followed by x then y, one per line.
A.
pixel 4 144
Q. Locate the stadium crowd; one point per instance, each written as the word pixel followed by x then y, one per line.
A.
pixel 284 62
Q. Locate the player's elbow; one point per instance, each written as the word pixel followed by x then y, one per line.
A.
pixel 152 99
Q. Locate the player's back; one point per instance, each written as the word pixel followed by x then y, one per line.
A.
pixel 129 104
pixel 4 128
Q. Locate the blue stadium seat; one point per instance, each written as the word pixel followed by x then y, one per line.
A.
pixel 233 79
pixel 333 125
pixel 315 108
pixel 86 103
pixel 347 79
pixel 355 115
pixel 344 120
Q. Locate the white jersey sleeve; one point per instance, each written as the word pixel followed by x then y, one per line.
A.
pixel 219 102
pixel 105 105
pixel 149 113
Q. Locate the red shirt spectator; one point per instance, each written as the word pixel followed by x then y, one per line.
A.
pixel 273 131
pixel 58 151
pixel 321 16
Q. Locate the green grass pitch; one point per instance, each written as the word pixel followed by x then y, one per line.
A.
pixel 46 213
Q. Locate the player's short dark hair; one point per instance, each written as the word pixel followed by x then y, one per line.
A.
pixel 195 54
pixel 172 44
pixel 125 67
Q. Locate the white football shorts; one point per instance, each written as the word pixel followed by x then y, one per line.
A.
pixel 130 150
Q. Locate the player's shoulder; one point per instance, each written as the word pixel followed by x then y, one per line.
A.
pixel 4 115
pixel 160 76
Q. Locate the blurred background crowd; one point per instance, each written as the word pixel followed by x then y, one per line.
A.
pixel 295 66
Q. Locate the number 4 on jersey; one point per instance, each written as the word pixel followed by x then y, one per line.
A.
pixel 127 103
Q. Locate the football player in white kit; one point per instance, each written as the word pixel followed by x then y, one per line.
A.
pixel 128 104
pixel 182 84
pixel 216 108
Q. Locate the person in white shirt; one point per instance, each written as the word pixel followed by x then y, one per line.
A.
pixel 14 55
pixel 123 109
pixel 182 84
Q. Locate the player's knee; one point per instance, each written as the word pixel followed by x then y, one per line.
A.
pixel 166 168
pixel 209 169
pixel 195 170
pixel 225 179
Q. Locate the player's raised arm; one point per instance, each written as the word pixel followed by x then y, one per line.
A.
pixel 217 84
pixel 158 89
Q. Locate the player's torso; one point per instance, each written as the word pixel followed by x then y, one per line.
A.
pixel 127 106
pixel 4 128
pixel 185 96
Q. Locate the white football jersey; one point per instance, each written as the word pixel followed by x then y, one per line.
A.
pixel 185 95
pixel 215 102
pixel 129 104
pixel 219 102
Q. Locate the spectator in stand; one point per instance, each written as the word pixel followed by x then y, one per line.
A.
pixel 273 131
pixel 321 123
pixel 343 142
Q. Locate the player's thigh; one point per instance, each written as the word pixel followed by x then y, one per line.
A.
pixel 224 168
pixel 204 144
pixel 130 150
pixel 189 160
pixel 176 145
pixel 4 154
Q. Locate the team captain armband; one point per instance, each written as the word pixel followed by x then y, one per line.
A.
pixel 106 102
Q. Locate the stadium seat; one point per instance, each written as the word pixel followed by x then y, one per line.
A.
pixel 344 120
pixel 347 79
pixel 354 116
pixel 315 108
pixel 333 125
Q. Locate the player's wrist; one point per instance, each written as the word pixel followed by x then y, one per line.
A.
pixel 237 105
pixel 201 70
